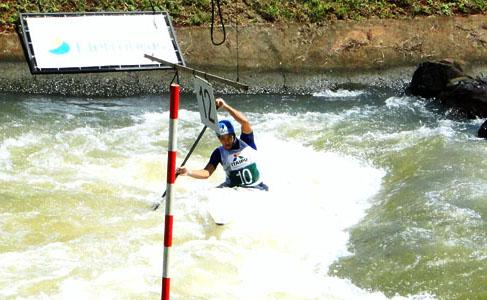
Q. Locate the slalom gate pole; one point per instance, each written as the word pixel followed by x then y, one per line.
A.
pixel 156 205
pixel 171 177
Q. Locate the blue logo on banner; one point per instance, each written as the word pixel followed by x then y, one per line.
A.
pixel 62 48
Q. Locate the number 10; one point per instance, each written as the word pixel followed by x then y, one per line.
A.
pixel 245 176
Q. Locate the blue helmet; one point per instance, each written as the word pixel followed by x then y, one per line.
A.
pixel 225 127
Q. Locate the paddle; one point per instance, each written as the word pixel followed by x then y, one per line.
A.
pixel 156 205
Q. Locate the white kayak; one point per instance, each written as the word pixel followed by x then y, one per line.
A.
pixel 222 211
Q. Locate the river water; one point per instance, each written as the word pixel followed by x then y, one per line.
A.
pixel 373 195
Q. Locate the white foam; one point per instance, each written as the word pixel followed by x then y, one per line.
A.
pixel 279 244
pixel 399 102
pixel 296 230
pixel 340 93
pixel 47 262
pixel 12 143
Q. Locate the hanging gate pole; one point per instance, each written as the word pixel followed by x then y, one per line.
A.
pixel 205 75
pixel 171 177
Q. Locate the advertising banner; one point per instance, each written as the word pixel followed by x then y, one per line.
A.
pixel 58 43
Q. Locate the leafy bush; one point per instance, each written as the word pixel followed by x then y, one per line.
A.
pixel 197 12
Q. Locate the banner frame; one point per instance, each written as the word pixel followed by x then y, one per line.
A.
pixel 29 54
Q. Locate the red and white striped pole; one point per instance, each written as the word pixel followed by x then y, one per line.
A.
pixel 171 177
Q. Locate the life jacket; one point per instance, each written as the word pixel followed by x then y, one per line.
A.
pixel 240 165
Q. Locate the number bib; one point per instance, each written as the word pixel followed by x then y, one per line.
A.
pixel 240 166
pixel 246 176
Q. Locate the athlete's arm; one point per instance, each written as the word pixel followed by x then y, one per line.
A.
pixel 248 138
pixel 203 173
pixel 237 115
pixel 198 174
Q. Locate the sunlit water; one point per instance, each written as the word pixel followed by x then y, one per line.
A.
pixel 372 196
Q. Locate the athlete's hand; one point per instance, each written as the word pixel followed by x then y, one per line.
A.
pixel 220 103
pixel 183 171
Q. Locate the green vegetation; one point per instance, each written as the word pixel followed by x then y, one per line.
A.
pixel 198 12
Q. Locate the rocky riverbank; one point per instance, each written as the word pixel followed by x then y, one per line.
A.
pixel 292 58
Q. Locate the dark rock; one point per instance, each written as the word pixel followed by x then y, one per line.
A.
pixel 445 81
pixel 455 90
pixel 431 78
pixel 466 96
pixel 483 131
